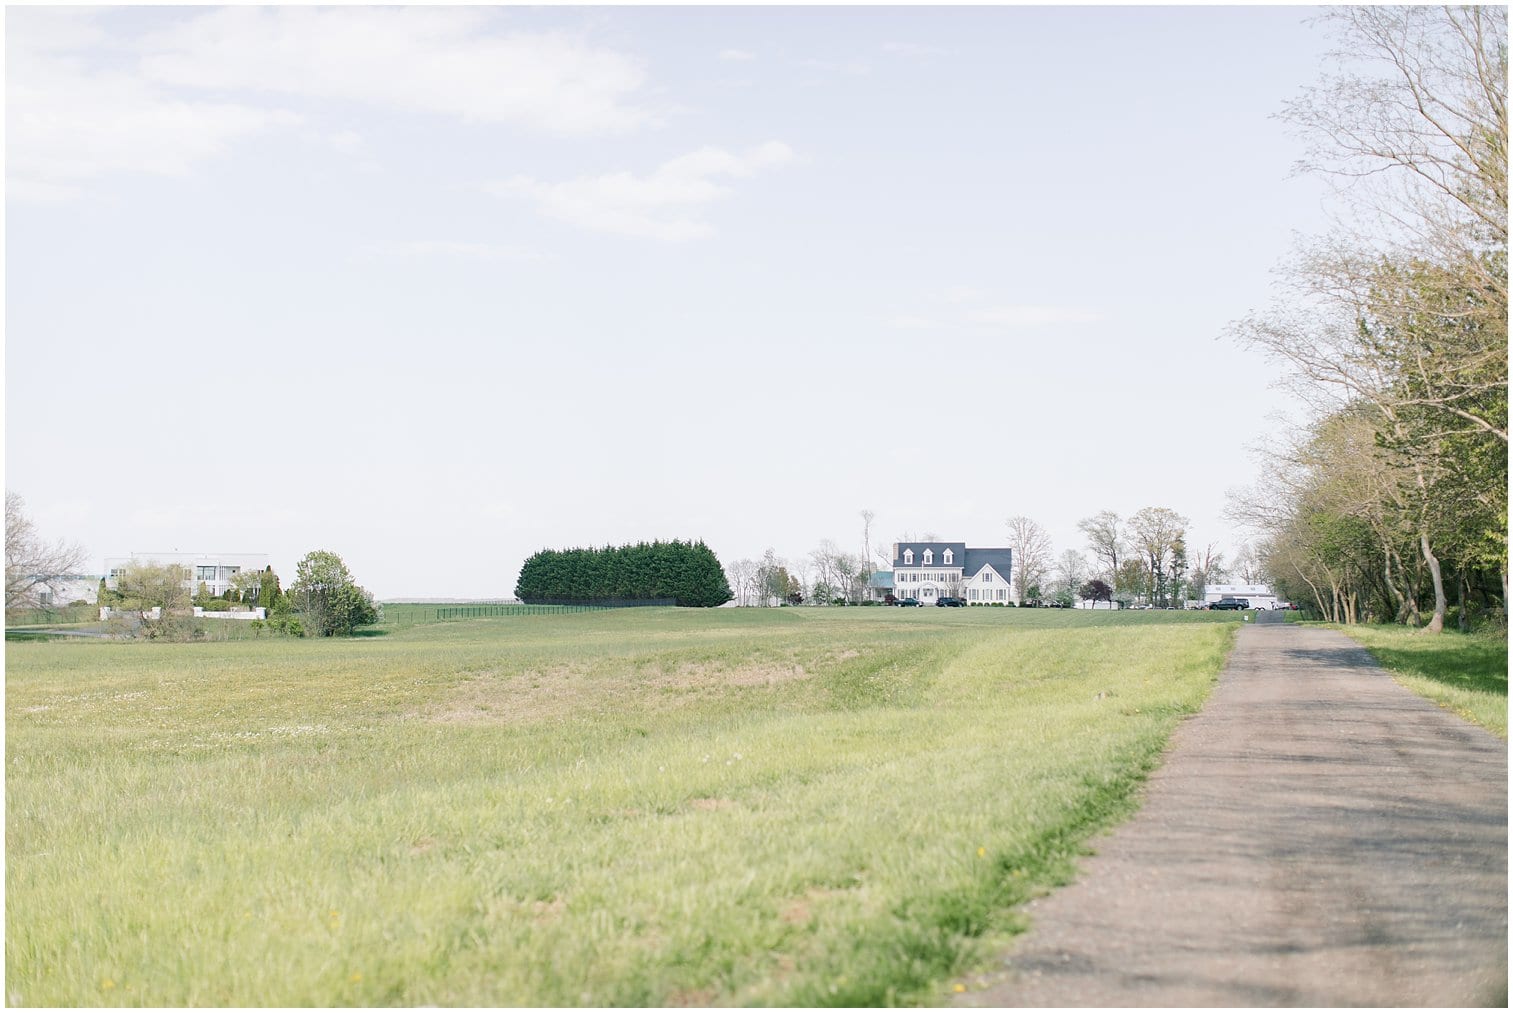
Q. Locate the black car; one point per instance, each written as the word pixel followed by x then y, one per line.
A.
pixel 1231 603
pixel 954 603
pixel 907 603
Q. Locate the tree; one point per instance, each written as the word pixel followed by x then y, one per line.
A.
pixel 1096 590
pixel 269 594
pixel 742 572
pixel 33 568
pixel 149 585
pixel 1105 540
pixel 1400 316
pixel 687 573
pixel 1032 555
pixel 1414 120
pixel 1157 532
pixel 1070 573
pixel 328 600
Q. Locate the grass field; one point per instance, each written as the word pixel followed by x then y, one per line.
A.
pixel 1465 673
pixel 648 807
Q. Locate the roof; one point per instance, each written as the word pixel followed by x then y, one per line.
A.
pixel 958 550
pixel 882 579
pixel 1001 560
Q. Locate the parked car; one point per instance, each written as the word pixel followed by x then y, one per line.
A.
pixel 1231 603
pixel 908 602
pixel 949 602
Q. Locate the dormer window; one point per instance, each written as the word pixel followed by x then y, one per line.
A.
pixel 929 556
pixel 946 557
pixel 908 557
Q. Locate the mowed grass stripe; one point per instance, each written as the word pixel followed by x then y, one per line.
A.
pixel 295 823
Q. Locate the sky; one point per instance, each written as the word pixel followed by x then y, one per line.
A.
pixel 435 288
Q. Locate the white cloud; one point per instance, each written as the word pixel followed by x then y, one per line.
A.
pixel 912 49
pixel 971 307
pixel 909 323
pixel 657 206
pixel 436 60
pixel 451 248
pixel 736 55
pixel 1032 316
pixel 66 124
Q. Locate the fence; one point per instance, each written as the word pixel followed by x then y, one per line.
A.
pixel 405 614
pixel 402 614
pixel 66 614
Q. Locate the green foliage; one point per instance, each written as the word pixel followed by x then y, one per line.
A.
pixel 327 599
pixel 685 572
pixel 269 594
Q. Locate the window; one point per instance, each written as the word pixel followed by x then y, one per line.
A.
pixel 909 557
pixel 929 556
pixel 946 557
pixel 1001 594
pixel 987 576
pixel 227 572
pixel 204 573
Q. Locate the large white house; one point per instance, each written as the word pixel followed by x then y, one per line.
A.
pixel 932 570
pixel 213 569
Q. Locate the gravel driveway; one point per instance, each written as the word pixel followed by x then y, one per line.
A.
pixel 1318 836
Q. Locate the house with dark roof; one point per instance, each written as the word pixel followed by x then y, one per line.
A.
pixel 932 570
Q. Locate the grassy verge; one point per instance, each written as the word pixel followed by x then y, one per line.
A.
pixel 1465 673
pixel 659 807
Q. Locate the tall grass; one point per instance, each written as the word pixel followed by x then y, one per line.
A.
pixel 791 807
pixel 1463 672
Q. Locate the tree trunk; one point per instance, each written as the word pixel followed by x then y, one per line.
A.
pixel 1461 620
pixel 1437 623
pixel 1398 596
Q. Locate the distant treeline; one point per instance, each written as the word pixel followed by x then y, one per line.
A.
pixel 686 572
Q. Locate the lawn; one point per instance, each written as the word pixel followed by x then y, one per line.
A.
pixel 1465 673
pixel 644 807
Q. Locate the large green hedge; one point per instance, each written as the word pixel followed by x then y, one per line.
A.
pixel 686 572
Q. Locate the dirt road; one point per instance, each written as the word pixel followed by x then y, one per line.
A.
pixel 1318 836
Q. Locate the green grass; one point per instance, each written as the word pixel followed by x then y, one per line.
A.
pixel 1464 673
pixel 650 807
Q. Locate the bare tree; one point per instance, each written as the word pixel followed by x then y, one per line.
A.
pixel 33 568
pixel 1157 532
pixel 1105 540
pixel 742 574
pixel 1032 554
pixel 1414 124
pixel 1071 571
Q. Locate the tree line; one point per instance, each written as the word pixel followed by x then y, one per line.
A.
pixel 1143 559
pixel 1392 502
pixel 323 601
pixel 687 573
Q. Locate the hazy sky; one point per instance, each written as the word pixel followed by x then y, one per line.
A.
pixel 436 288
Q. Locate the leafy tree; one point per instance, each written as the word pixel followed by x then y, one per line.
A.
pixel 686 572
pixel 1096 590
pixel 327 599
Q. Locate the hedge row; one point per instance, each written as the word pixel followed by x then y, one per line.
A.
pixel 686 572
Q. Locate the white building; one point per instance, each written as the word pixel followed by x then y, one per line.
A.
pixel 1259 595
pixel 933 570
pixel 213 569
pixel 67 588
